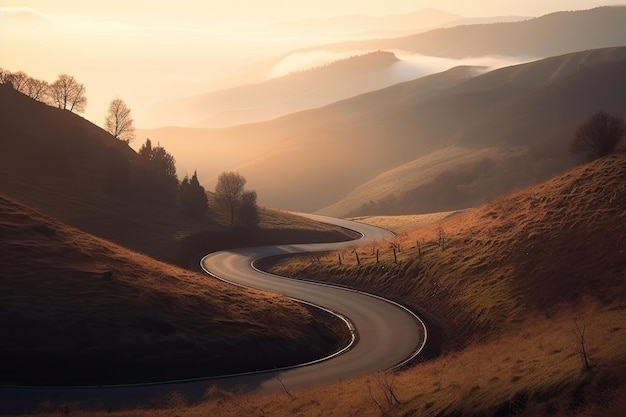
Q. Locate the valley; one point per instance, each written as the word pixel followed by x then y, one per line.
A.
pixel 178 259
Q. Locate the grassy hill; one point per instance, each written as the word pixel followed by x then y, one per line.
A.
pixel 63 165
pixel 81 310
pixel 312 159
pixel 521 271
pixel 430 183
pixel 530 112
pixel 516 279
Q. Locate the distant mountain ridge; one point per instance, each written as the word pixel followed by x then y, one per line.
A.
pixel 280 96
pixel 552 34
pixel 312 159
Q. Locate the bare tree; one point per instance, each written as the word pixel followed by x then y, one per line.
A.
pixel 386 384
pixel 67 93
pixel 228 192
pixel 118 121
pixel 36 89
pixel 18 80
pixel 598 136
pixel 579 332
pixel 4 75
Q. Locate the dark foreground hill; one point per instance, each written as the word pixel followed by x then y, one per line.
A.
pixel 76 309
pixel 63 165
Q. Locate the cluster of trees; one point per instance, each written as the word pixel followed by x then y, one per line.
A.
pixel 155 177
pixel 157 182
pixel 65 92
pixel 69 94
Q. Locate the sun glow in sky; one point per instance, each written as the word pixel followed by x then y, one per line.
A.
pixel 147 51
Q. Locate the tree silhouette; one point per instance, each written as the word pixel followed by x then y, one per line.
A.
pixel 248 211
pixel 18 80
pixel 5 76
pixel 228 192
pixel 67 93
pixel 157 173
pixel 192 196
pixel 36 89
pixel 598 136
pixel 118 121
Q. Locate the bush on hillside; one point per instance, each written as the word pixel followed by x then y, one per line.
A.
pixel 599 136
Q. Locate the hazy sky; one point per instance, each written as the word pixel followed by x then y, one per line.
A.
pixel 145 51
pixel 277 10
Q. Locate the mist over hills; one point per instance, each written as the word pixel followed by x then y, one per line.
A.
pixel 282 95
pixel 302 80
pixel 312 159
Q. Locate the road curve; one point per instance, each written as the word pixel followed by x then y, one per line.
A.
pixel 387 335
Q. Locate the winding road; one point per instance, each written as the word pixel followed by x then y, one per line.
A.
pixel 386 334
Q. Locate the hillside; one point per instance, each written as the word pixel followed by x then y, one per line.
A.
pixel 280 96
pixel 312 159
pixel 515 280
pixel 81 310
pixel 553 34
pixel 535 263
pixel 61 164
pixel 530 112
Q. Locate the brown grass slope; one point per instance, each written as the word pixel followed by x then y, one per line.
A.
pixel 535 262
pixel 552 34
pixel 514 279
pixel 63 165
pixel 556 242
pixel 76 309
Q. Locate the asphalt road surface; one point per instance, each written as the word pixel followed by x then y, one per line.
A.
pixel 386 335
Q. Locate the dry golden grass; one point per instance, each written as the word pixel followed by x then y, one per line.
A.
pixel 122 316
pixel 514 280
pixel 534 372
pixel 401 225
